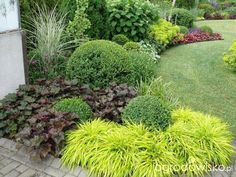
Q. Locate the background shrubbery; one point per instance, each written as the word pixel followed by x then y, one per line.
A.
pixel 182 17
pixel 132 18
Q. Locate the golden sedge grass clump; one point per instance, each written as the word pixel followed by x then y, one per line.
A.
pixel 193 144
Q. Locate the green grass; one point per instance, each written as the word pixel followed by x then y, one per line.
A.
pixel 198 74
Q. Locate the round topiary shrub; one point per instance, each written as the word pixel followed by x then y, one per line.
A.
pixel 98 63
pixel 74 105
pixel 182 17
pixel 206 29
pixel 132 46
pixel 149 110
pixel 183 30
pixel 120 39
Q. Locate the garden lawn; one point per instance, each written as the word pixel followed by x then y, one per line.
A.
pixel 198 74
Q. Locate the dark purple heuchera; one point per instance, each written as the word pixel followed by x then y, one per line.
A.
pixel 108 103
pixel 44 133
pixel 27 115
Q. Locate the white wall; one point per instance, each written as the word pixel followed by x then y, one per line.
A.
pixel 12 72
pixel 9 17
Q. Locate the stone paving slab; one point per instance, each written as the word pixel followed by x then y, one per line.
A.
pixel 16 163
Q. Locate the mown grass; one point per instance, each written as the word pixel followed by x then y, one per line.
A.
pixel 198 74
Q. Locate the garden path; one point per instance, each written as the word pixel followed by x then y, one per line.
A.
pixel 15 163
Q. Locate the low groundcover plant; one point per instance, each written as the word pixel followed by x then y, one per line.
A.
pixel 194 142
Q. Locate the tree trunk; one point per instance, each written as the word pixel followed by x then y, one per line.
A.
pixel 173 5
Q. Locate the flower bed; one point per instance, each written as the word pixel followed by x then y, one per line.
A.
pixel 199 37
pixel 29 116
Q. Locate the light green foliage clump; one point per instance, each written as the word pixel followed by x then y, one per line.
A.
pixel 182 17
pixel 149 110
pixel 206 29
pixel 74 105
pixel 230 57
pixel 120 39
pixel 158 88
pixel 132 46
pixel 108 149
pixel 195 142
pixel 163 32
pixel 207 136
pixel 132 18
pixel 77 27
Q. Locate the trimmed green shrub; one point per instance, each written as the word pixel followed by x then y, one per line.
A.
pixel 132 46
pixel 163 32
pixel 100 62
pixel 149 110
pixel 97 13
pixel 194 140
pixel 158 88
pixel 206 29
pixel 120 39
pixel 183 30
pixel 182 17
pixel 132 18
pixel 143 66
pixel 230 57
pixel 206 7
pixel 74 105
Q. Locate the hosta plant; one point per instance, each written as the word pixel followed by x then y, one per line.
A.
pixel 132 18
